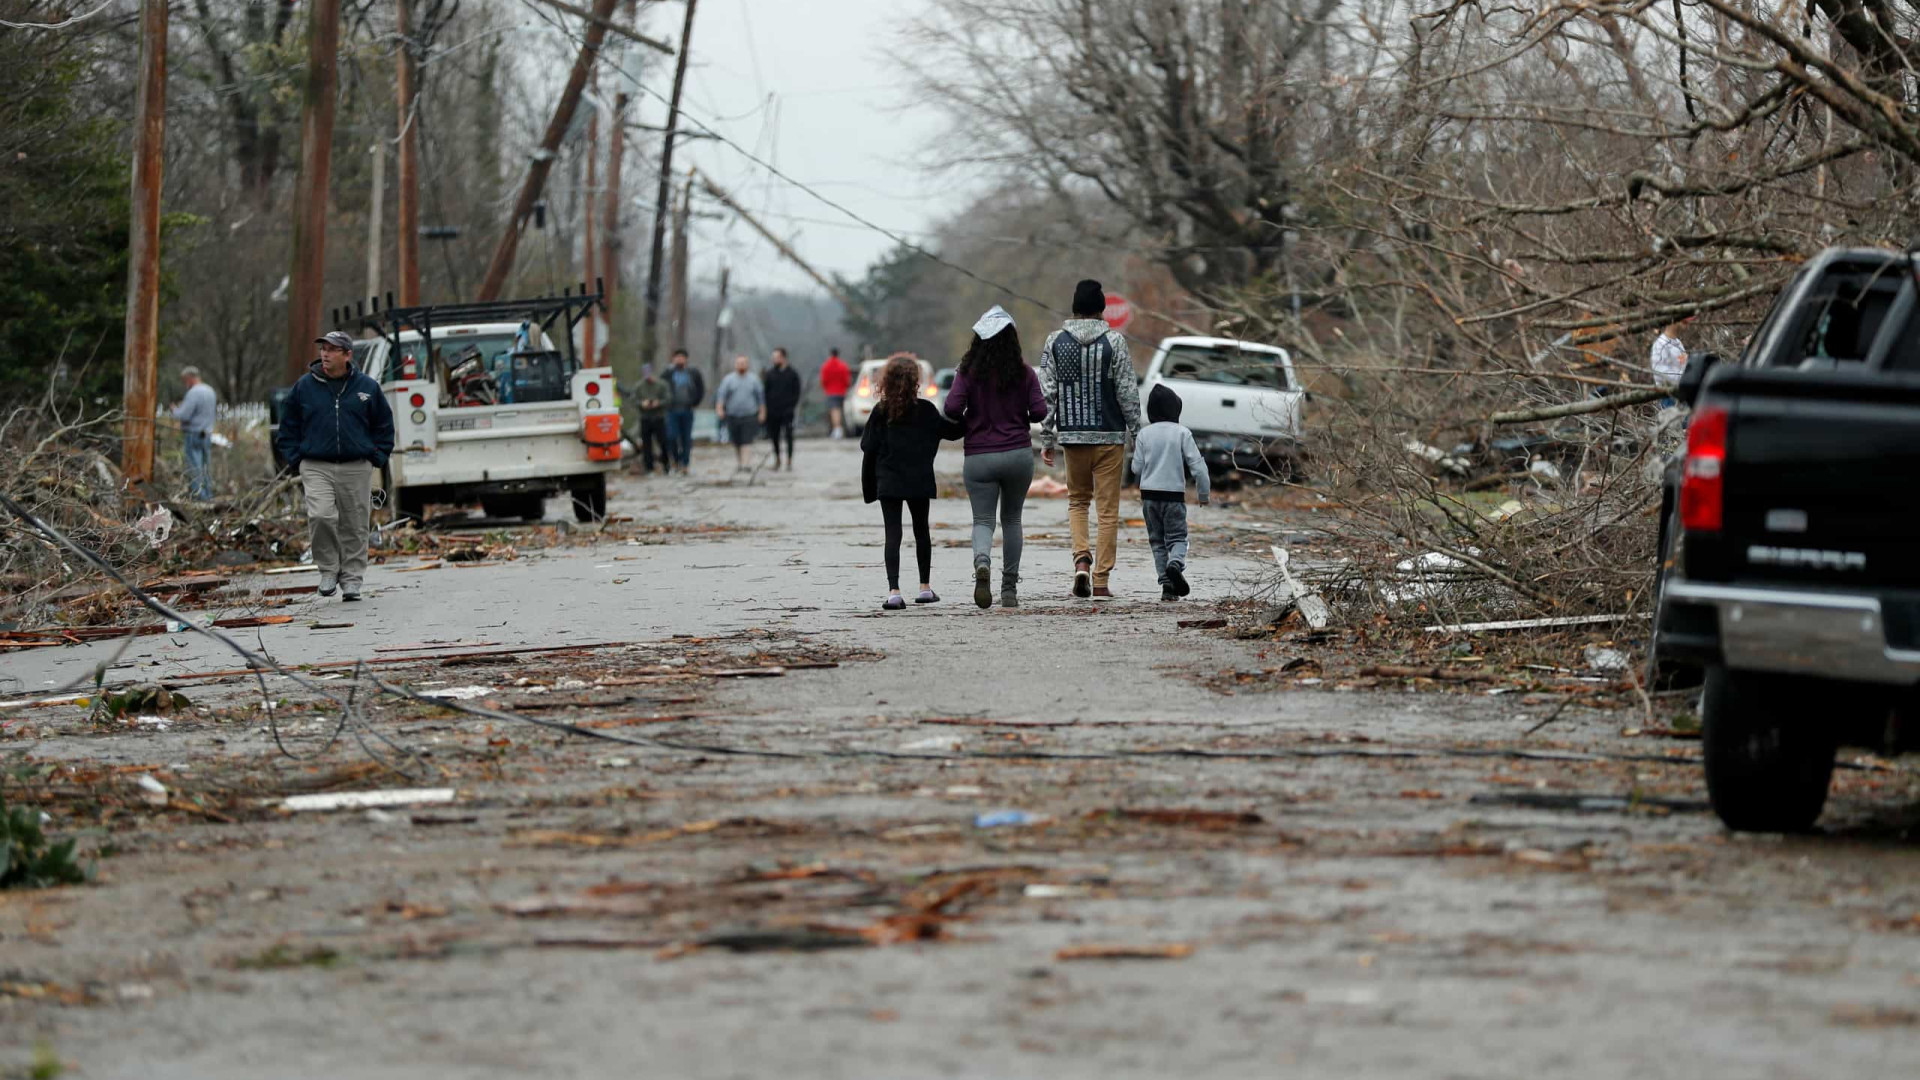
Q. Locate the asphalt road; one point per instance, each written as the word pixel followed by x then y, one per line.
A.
pixel 786 875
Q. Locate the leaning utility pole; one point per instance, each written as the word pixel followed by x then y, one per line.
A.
pixel 779 245
pixel 310 195
pixel 406 84
pixel 677 287
pixel 509 246
pixel 648 343
pixel 141 387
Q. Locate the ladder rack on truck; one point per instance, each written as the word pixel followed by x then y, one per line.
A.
pixel 492 403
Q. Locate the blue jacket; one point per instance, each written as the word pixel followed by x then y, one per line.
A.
pixel 345 419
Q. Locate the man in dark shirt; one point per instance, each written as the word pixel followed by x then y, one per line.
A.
pixel 783 391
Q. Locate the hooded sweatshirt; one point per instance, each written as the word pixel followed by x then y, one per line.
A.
pixel 344 419
pixel 1091 392
pixel 1165 455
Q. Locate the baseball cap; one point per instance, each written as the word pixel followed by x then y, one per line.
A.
pixel 336 338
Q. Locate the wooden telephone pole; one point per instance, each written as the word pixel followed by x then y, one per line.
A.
pixel 405 81
pixel 310 196
pixel 677 287
pixel 543 158
pixel 589 326
pixel 649 343
pixel 141 387
pixel 610 243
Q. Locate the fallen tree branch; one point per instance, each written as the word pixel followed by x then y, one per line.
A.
pixel 1581 408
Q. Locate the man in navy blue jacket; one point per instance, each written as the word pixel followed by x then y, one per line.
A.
pixel 335 430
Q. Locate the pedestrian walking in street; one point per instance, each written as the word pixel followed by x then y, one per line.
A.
pixel 336 430
pixel 741 405
pixel 651 395
pixel 994 397
pixel 195 414
pixel 686 389
pixel 1165 457
pixel 899 443
pixel 782 385
pixel 1093 407
pixel 836 378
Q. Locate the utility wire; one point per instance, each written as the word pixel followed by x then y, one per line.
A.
pixel 59 25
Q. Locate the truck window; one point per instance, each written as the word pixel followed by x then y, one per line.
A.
pixel 516 376
pixel 1840 316
pixel 1225 365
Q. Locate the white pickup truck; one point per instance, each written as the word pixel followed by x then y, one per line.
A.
pixel 487 407
pixel 1240 399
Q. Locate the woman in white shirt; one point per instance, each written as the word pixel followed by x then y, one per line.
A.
pixel 1669 357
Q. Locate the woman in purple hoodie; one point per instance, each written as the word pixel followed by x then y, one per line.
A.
pixel 995 396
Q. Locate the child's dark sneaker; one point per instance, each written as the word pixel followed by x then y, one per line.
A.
pixel 983 586
pixel 927 596
pixel 1167 593
pixel 1177 579
pixel 896 602
pixel 1009 596
pixel 1082 579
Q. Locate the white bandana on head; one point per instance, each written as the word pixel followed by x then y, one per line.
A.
pixel 995 320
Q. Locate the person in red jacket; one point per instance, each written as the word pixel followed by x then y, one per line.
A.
pixel 835 380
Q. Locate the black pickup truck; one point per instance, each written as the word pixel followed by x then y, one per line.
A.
pixel 1790 539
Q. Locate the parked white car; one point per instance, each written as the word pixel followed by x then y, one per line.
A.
pixel 1240 399
pixel 866 391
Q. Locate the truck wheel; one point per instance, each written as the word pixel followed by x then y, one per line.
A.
pixel 409 506
pixel 590 501
pixel 500 506
pixel 533 508
pixel 1768 752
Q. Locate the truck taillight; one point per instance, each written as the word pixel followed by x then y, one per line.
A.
pixel 417 401
pixel 1702 480
pixel 593 389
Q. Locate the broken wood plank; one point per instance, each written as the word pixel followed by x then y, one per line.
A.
pixel 1124 952
pixel 1529 624
pixel 252 621
pixel 1438 674
pixel 387 661
pixel 1309 603
pixel 290 590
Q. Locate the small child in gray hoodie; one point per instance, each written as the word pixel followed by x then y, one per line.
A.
pixel 1164 458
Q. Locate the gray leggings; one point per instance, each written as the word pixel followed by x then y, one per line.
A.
pixel 1001 478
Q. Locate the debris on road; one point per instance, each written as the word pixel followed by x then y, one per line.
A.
pixel 361 800
pixel 1002 818
pixel 1310 605
pixel 1124 952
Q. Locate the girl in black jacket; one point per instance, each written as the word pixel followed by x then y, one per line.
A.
pixel 901 438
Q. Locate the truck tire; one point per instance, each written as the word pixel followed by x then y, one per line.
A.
pixel 590 501
pixel 409 506
pixel 533 507
pixel 1768 751
pixel 501 506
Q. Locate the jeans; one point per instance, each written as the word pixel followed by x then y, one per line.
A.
pixel 777 426
pixel 339 498
pixel 680 436
pixel 1093 475
pixel 199 482
pixel 1167 532
pixel 653 430
pixel 922 537
pixel 998 481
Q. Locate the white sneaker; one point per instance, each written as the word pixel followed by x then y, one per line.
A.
pixel 328 583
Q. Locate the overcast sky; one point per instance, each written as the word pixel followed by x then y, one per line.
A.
pixel 812 88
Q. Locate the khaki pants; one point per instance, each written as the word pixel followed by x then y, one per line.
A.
pixel 339 497
pixel 1093 476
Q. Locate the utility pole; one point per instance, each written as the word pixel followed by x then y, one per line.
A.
pixel 375 209
pixel 677 287
pixel 780 245
pixel 610 242
pixel 589 331
pixel 649 344
pixel 310 195
pixel 503 255
pixel 141 388
pixel 405 80
pixel 722 319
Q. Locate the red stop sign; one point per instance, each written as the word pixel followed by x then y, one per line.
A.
pixel 1118 313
